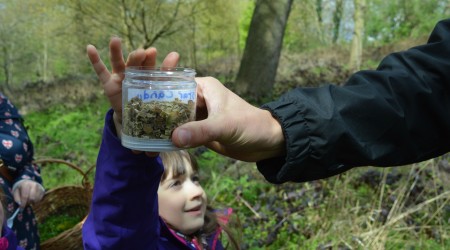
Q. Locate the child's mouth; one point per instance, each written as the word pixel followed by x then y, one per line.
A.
pixel 195 209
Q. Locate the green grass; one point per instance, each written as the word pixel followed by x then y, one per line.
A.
pixel 57 224
pixel 73 135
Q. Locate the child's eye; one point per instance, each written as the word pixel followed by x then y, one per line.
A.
pixel 175 184
pixel 195 179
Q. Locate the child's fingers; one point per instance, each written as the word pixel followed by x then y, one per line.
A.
pixel 171 60
pixel 36 193
pixel 136 58
pixel 115 54
pixel 16 195
pixel 21 196
pixel 97 63
pixel 150 57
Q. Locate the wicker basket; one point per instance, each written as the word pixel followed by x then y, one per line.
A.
pixel 60 199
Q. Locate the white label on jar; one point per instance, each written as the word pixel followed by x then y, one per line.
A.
pixel 148 95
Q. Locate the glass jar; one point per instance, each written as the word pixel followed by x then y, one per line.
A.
pixel 154 102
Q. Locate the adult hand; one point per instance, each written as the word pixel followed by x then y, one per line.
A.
pixel 27 191
pixel 230 126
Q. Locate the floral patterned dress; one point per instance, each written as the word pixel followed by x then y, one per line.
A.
pixel 16 152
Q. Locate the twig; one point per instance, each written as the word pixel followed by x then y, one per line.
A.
pixel 240 198
pixel 408 212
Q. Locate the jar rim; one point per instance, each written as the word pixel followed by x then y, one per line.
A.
pixel 147 70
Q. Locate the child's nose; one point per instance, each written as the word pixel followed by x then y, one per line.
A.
pixel 195 190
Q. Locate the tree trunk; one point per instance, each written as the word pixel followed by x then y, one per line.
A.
pixel 45 61
pixel 357 40
pixel 6 88
pixel 319 10
pixel 259 63
pixel 337 18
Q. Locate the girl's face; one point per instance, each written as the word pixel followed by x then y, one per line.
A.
pixel 182 201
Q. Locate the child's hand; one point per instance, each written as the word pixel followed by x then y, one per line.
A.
pixel 112 81
pixel 27 191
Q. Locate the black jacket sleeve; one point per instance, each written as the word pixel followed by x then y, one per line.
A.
pixel 395 115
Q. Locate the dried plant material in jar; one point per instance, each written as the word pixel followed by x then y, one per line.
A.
pixel 155 101
pixel 155 119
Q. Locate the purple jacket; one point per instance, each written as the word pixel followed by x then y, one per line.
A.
pixel 8 241
pixel 124 209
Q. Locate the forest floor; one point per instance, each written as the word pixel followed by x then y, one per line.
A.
pixel 368 208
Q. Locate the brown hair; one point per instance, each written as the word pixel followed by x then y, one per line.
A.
pixel 173 163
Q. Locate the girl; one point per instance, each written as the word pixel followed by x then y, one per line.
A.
pixel 180 182
pixel 20 179
pixel 136 203
pixel 140 202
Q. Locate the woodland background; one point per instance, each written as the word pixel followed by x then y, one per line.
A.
pixel 260 49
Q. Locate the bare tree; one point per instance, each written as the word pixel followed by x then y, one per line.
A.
pixel 14 31
pixel 6 65
pixel 337 19
pixel 319 10
pixel 357 40
pixel 259 63
pixel 140 22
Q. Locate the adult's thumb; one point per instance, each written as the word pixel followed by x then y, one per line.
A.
pixel 196 133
